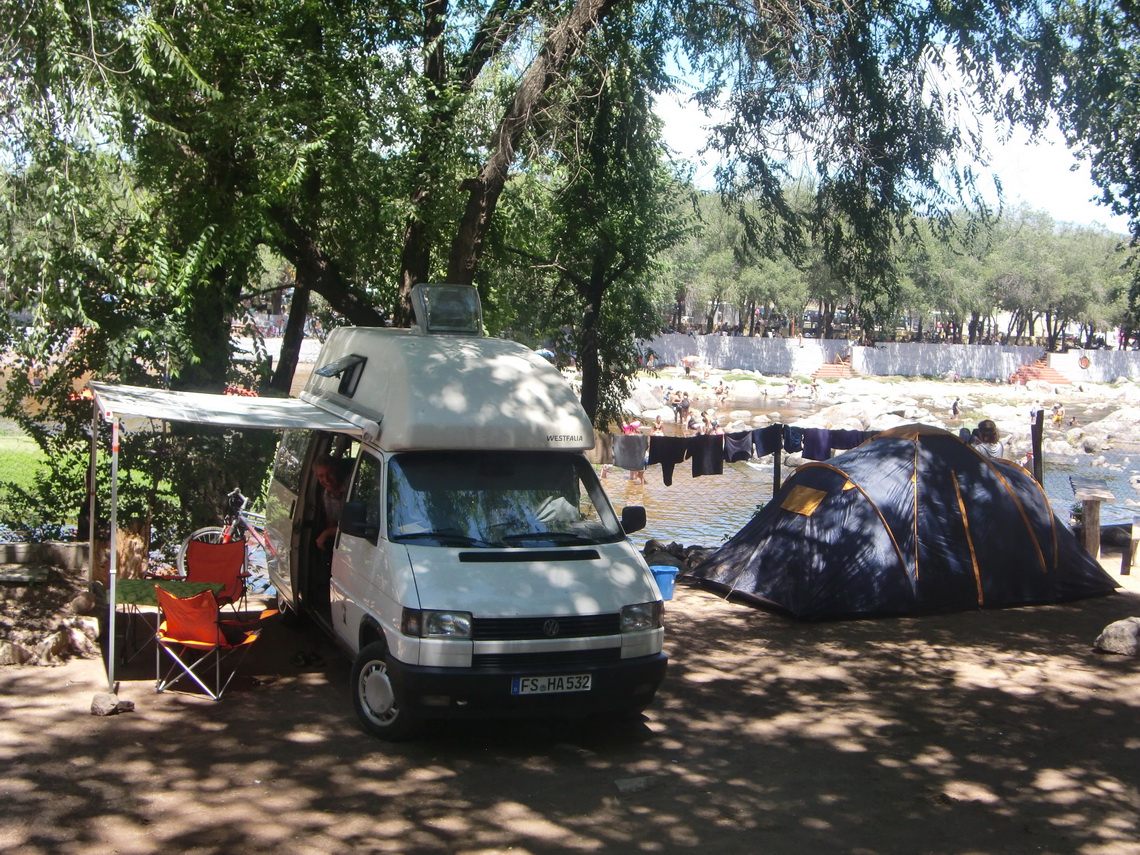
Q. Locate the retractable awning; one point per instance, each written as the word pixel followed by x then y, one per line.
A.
pixel 113 403
pixel 207 409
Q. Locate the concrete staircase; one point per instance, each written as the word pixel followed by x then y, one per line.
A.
pixel 1040 370
pixel 833 371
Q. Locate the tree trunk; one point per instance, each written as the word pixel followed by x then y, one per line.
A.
pixel 415 258
pixel 321 274
pixel 291 341
pixel 588 361
pixel 483 192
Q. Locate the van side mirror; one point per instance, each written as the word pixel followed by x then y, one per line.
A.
pixel 632 518
pixel 354 522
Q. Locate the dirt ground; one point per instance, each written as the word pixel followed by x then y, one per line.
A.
pixel 985 732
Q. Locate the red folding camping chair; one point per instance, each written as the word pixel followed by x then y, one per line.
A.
pixel 219 562
pixel 191 634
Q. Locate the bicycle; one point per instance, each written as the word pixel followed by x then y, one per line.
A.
pixel 237 523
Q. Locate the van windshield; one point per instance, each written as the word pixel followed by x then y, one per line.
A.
pixel 497 499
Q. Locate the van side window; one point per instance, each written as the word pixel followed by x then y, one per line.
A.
pixel 366 490
pixel 291 458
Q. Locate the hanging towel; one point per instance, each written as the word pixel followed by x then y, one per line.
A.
pixel 629 451
pixel 668 451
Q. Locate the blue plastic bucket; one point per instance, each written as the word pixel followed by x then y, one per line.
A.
pixel 665 576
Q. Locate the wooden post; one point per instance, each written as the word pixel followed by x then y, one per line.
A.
pixel 1130 551
pixel 1035 436
pixel 1090 492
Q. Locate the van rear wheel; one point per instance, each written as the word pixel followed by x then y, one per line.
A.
pixel 378 697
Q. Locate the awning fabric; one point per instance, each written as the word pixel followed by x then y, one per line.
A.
pixel 208 409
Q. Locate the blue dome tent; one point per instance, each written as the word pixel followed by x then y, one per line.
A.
pixel 913 521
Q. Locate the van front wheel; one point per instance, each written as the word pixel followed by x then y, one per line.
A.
pixel 378 697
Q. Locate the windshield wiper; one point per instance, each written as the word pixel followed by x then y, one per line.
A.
pixel 446 537
pixel 551 536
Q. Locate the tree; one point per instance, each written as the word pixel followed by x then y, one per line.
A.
pixel 616 207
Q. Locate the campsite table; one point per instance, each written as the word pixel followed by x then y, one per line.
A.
pixel 134 593
pixel 1090 492
pixel 140 592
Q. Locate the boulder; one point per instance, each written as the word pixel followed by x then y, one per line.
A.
pixel 14 654
pixel 106 703
pixel 1121 637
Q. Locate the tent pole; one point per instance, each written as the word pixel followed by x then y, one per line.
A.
pixel 113 569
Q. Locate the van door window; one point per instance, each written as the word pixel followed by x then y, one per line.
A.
pixel 291 458
pixel 365 499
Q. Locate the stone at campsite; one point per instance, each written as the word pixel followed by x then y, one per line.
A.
pixel 106 703
pixel 84 604
pixel 14 654
pixel 79 643
pixel 87 625
pixel 1121 637
pixel 54 648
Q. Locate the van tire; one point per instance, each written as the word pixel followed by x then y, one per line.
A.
pixel 378 698
pixel 289 616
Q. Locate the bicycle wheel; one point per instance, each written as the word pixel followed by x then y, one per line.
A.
pixel 207 534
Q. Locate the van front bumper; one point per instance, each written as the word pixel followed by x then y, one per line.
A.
pixel 623 686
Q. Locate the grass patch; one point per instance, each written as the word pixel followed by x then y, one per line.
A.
pixel 20 457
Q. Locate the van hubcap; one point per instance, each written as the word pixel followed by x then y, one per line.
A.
pixel 377 693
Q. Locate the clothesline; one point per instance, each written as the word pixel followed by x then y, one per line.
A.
pixel 709 452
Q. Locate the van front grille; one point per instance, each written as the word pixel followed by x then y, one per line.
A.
pixel 543 661
pixel 537 628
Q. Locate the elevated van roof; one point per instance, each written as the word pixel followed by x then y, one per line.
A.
pixel 450 392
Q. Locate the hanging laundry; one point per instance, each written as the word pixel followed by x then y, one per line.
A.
pixel 708 454
pixel 793 438
pixel 841 440
pixel 768 440
pixel 668 451
pixel 738 446
pixel 629 451
pixel 817 443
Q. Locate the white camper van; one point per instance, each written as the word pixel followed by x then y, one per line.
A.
pixel 474 564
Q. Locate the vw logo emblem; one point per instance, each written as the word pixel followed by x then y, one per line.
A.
pixel 550 628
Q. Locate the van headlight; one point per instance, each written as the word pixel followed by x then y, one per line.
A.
pixel 642 616
pixel 426 623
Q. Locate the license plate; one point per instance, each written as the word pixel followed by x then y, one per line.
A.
pixel 550 685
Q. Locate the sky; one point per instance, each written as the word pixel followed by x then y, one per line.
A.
pixel 1037 174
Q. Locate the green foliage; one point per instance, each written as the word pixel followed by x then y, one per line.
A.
pixel 19 460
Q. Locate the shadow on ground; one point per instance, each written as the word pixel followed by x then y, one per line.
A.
pixel 984 732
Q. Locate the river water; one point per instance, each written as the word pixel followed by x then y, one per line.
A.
pixel 708 510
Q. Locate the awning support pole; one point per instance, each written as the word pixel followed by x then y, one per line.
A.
pixel 91 481
pixel 113 570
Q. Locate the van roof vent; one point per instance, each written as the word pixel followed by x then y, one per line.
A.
pixel 446 309
pixel 348 369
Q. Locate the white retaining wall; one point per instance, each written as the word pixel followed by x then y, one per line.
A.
pixel 793 356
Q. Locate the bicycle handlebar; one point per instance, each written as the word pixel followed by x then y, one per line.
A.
pixel 235 501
